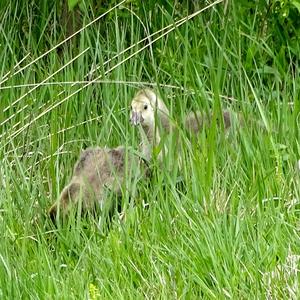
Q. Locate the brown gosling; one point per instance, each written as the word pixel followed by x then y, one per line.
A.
pixel 97 171
pixel 150 112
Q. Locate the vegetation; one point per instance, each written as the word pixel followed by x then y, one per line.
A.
pixel 226 225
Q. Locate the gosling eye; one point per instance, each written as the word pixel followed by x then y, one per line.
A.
pixel 145 106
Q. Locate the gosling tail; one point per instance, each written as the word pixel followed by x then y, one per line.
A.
pixel 67 197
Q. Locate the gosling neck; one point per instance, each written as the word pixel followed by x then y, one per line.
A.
pixel 151 135
pixel 150 138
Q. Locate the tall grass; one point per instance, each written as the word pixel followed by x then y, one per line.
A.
pixel 228 229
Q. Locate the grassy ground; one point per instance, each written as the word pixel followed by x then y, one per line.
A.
pixel 229 230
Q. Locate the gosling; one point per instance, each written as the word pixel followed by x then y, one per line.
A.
pixel 150 112
pixel 97 171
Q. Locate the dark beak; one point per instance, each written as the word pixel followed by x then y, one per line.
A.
pixel 136 118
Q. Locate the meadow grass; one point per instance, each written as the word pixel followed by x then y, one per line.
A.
pixel 229 228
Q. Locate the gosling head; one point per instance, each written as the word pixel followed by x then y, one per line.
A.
pixel 143 107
